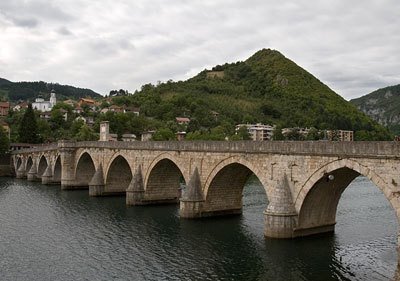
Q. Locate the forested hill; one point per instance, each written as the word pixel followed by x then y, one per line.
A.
pixel 266 88
pixel 14 91
pixel 382 105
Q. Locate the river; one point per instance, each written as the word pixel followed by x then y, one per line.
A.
pixel 49 234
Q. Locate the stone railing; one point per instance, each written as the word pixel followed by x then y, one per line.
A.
pixel 37 148
pixel 328 148
pixel 354 149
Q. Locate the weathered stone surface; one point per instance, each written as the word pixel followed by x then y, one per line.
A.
pixel 299 169
pixel 193 191
pixel 47 176
pixel 21 172
pixel 96 185
pixel 191 203
pixel 135 194
pixel 32 173
pixel 280 200
pixel 280 216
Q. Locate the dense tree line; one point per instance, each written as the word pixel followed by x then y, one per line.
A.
pixel 14 91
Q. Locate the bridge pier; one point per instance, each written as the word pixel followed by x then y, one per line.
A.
pixel 280 217
pixel 67 166
pixel 48 177
pixel 96 185
pixel 21 172
pixel 192 201
pixel 32 173
pixel 135 194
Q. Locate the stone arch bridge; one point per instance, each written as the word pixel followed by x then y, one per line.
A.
pixel 303 181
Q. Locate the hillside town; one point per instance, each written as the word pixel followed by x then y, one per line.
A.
pixel 88 111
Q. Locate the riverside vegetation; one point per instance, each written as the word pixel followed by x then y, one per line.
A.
pixel 266 88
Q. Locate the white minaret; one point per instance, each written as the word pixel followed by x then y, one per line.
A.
pixel 53 99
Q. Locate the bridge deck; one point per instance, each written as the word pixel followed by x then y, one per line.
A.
pixel 329 148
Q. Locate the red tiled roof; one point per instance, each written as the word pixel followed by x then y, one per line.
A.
pixel 182 119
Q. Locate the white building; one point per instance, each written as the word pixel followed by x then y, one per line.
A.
pixel 42 105
pixel 258 132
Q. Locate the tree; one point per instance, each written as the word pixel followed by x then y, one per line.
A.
pixel 243 134
pixel 313 134
pixel 4 141
pixel 28 130
pixel 86 134
pixel 57 119
pixel 277 134
pixel 164 134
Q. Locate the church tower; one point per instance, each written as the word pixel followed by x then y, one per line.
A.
pixel 53 99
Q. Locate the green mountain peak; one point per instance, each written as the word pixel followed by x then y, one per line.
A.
pixel 266 88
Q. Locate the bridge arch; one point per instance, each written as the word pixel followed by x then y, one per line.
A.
pixel 29 163
pixel 227 181
pixel 118 175
pixel 84 169
pixel 163 179
pixel 318 199
pixel 43 163
pixel 57 170
pixel 236 160
pixel 18 162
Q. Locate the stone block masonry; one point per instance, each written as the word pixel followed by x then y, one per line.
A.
pixel 302 180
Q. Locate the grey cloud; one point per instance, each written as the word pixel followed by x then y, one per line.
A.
pixel 29 13
pixel 64 31
pixel 350 46
pixel 25 22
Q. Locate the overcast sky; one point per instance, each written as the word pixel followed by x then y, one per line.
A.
pixel 352 46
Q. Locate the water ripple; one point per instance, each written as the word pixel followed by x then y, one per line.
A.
pixel 47 234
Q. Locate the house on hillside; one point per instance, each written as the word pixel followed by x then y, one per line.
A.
pixel 215 74
pixel 128 137
pixel 4 108
pixel 92 104
pixel 70 102
pixel 6 127
pixel 340 135
pixel 258 132
pixel 45 115
pixel 182 120
pixel 88 120
pixel 85 101
pixel 21 106
pixel 134 110
pixel 146 136
pixel 180 136
pixel 77 110
pixel 116 108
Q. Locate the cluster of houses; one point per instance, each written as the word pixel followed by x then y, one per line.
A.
pixel 257 132
pixel 261 132
pixel 45 107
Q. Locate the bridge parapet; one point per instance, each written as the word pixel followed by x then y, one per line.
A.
pixel 38 148
pixel 329 148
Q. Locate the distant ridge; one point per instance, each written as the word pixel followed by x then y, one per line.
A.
pixel 382 105
pixel 4 81
pixel 14 91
